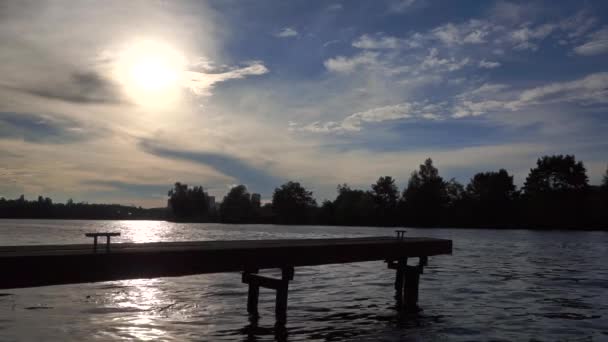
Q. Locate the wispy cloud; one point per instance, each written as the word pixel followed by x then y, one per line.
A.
pixel 354 122
pixel 596 44
pixel 202 82
pixel 335 7
pixel 399 6
pixel 592 89
pixel 241 171
pixel 40 128
pixel 488 64
pixel 343 64
pixel 78 87
pixel 287 32
pixel 377 42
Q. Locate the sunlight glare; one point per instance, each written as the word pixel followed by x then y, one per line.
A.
pixel 151 73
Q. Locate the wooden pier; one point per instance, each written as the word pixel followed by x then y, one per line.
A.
pixel 30 266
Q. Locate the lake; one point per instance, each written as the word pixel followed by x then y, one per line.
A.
pixel 500 285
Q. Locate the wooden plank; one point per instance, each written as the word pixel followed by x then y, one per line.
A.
pixel 101 234
pixel 262 281
pixel 27 266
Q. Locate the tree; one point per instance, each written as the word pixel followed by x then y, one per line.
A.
pixel 556 173
pixel 188 203
pixel 556 192
pixel 605 180
pixel 491 196
pixel 292 203
pixel 386 196
pixel 256 201
pixel 236 207
pixel 354 207
pixel 491 186
pixel 425 196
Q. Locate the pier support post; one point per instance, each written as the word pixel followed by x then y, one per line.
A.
pixel 399 280
pixel 281 299
pixel 252 295
pixel 407 280
pixel 410 288
pixel 281 286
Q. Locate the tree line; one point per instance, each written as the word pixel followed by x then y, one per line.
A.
pixel 45 208
pixel 556 194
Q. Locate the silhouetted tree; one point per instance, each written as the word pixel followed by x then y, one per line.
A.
pixel 555 192
pixel 556 195
pixel 455 191
pixel 386 196
pixel 491 196
pixel 256 201
pixel 237 207
pixel 425 196
pixel 188 203
pixel 491 186
pixel 326 213
pixel 43 207
pixel 556 173
pixel 353 207
pixel 293 204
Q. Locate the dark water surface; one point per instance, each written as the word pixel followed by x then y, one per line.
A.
pixel 501 285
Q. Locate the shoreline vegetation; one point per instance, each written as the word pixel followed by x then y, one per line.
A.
pixel 555 195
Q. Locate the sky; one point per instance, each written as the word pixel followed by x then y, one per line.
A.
pixel 114 101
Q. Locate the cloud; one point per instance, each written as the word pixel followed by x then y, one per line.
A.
pixel 488 64
pixel 433 61
pixel 335 7
pixel 578 25
pixel 343 64
pixel 381 42
pixel 589 90
pixel 201 83
pixel 399 6
pixel 597 44
pixel 510 12
pixel 286 32
pixel 471 32
pixel 257 179
pixel 330 42
pixel 354 122
pixel 525 37
pixel 87 87
pixel 38 128
pixel 134 189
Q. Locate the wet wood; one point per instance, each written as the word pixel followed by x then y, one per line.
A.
pixel 108 236
pixel 253 293
pixel 410 288
pixel 27 266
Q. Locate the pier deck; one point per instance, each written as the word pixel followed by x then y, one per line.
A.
pixel 30 266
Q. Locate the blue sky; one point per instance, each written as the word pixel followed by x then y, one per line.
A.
pixel 114 101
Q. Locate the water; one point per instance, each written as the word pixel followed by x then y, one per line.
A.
pixel 501 285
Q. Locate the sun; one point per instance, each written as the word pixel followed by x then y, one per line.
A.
pixel 151 72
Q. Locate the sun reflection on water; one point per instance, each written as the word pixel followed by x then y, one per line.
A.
pixel 142 299
pixel 145 231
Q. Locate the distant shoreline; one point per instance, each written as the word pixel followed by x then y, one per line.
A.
pixel 514 227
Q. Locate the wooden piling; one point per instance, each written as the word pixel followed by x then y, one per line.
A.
pixel 253 293
pixel 399 268
pixel 281 298
pixel 281 286
pixel 410 288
